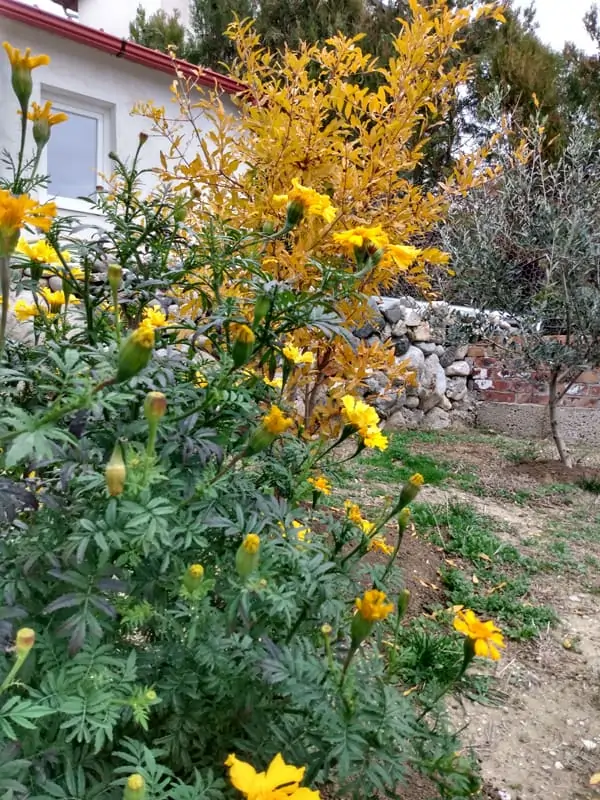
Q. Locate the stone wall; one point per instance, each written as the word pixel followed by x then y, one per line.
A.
pixel 439 397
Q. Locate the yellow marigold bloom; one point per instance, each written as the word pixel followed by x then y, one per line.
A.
pixel 251 543
pixel 367 527
pixel 302 200
pixel 24 60
pixel 375 438
pixel 275 422
pixel 301 530
pixel 135 788
pixel 42 252
pixel 76 273
pixel 373 606
pixel 196 570
pixel 56 299
pixel 155 316
pixel 244 334
pixel 401 255
pixel 417 479
pixel 24 310
pixel 44 114
pixel 200 380
pixel 368 238
pixel 379 544
pixel 359 414
pixel 274 383
pixel 293 354
pixel 486 637
pixel 353 512
pixel 320 484
pixel 280 781
pixel 17 211
pixel 144 334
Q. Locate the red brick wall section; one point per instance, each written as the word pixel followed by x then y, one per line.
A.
pixel 495 381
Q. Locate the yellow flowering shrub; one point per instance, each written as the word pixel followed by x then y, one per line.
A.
pixel 312 152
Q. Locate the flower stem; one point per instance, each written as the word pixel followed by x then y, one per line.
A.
pixel 4 292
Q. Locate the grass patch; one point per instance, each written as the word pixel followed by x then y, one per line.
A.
pixel 398 463
pixel 591 485
pixel 494 581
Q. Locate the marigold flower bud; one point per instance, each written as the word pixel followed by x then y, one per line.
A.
pixel 135 352
pixel 411 489
pixel 326 629
pixel 142 138
pixel 151 695
pixel 115 473
pixel 403 600
pixel 294 214
pixel 261 308
pixel 155 406
pixel 404 519
pixel 135 788
pixel 247 556
pixel 115 276
pixel 243 345
pixel 193 577
pixel 24 641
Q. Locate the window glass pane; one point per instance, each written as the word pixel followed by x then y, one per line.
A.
pixel 72 155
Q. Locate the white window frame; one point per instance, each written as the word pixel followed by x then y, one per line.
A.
pixel 103 113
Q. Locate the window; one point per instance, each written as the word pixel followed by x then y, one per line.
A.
pixel 75 156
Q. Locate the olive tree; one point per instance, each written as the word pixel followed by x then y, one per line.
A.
pixel 527 244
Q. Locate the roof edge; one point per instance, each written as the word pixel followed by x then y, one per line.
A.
pixel 113 45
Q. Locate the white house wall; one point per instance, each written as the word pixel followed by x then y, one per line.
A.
pixel 103 79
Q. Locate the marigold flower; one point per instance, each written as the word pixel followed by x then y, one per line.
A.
pixel 359 414
pixel 135 788
pixel 280 781
pixel 293 354
pixel 370 239
pixel 193 577
pixel 365 420
pixel 300 529
pixel 302 200
pixel 41 252
pixel 24 310
pixel 43 120
pixel 275 422
pixel 320 484
pixel 379 544
pixel 200 381
pixel 135 351
pixel 21 66
pixel 485 637
pixel 411 488
pixel 401 255
pixel 247 556
pixel 243 345
pixel 251 543
pixel 57 299
pixel 353 512
pixel 17 211
pixel 155 316
pixel 373 606
pixel 274 383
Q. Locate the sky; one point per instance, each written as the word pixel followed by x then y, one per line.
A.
pixel 562 20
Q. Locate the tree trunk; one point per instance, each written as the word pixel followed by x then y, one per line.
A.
pixel 554 426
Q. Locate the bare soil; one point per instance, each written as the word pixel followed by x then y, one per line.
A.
pixel 542 741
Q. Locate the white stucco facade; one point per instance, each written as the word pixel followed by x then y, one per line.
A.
pixel 102 85
pixel 114 16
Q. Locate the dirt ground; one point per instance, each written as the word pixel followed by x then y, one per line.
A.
pixel 540 739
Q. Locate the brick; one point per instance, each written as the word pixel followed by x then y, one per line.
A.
pixel 594 391
pixel 589 377
pixel 476 351
pixel 498 397
pixel 523 397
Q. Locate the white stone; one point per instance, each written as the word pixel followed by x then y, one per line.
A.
pixel 412 318
pixel 445 404
pixel 427 347
pixel 559 765
pixel 456 388
pixel 416 361
pixel 589 745
pixel 55 283
pixel 432 387
pixel 436 420
pixel 458 369
pixel 421 333
pixel 412 401
pixel 399 329
pixel 460 351
pixel 392 310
